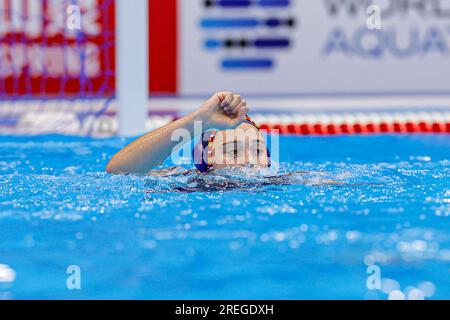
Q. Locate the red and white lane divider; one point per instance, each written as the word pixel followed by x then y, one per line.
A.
pixel 355 123
pixel 289 123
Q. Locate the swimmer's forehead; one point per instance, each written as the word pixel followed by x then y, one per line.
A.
pixel 243 132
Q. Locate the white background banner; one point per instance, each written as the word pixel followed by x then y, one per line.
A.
pixel 314 47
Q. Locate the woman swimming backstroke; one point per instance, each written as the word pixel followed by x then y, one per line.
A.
pixel 236 143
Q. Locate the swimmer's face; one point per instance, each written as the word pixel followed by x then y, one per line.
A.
pixel 243 146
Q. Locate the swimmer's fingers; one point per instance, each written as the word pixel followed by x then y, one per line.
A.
pixel 237 99
pixel 216 100
pixel 226 98
pixel 233 113
pixel 223 94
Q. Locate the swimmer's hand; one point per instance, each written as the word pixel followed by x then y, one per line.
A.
pixel 224 110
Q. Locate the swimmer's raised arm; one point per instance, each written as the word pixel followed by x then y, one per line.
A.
pixel 224 110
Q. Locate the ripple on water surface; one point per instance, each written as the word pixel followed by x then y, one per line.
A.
pixel 248 236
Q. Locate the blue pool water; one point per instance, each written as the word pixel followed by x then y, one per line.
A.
pixel 143 238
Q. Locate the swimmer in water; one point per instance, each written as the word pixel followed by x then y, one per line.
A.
pixel 230 145
pixel 229 140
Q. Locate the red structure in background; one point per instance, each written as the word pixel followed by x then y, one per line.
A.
pixel 41 58
pixel 163 32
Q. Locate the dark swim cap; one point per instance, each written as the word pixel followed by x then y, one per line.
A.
pixel 201 154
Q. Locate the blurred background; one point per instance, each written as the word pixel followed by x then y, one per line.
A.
pixel 297 62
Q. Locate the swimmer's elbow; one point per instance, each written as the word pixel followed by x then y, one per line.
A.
pixel 114 167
